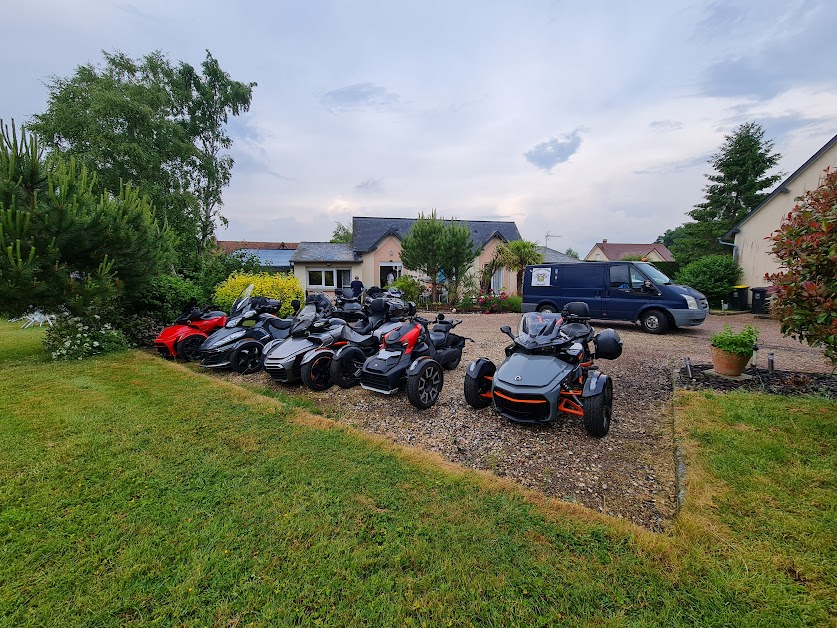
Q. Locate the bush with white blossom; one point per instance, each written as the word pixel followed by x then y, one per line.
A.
pixel 74 338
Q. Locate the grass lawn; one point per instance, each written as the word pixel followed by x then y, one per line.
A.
pixel 135 491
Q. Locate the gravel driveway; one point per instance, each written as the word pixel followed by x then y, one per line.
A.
pixel 629 473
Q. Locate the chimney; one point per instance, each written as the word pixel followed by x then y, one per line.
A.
pixel 604 241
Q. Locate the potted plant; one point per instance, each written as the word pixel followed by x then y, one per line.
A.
pixel 732 350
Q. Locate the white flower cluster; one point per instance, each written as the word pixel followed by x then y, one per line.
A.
pixel 77 338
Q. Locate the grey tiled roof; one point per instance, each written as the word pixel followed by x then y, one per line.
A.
pixel 551 256
pixel 324 252
pixel 367 232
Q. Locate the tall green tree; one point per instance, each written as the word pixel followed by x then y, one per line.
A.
pixel 420 248
pixel 342 234
pixel 156 125
pixel 738 185
pixel 61 242
pixel 740 181
pixel 571 252
pixel 458 251
pixel 517 255
pixel 204 101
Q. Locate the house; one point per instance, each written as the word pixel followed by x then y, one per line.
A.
pixel 551 256
pixel 272 256
pixel 752 249
pixel 375 253
pixel 605 251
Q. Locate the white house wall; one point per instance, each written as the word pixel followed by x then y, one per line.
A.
pixel 754 255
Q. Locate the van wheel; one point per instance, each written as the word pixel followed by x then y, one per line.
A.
pixel 654 322
pixel 548 309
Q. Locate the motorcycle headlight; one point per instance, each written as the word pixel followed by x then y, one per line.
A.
pixel 233 322
pixel 691 302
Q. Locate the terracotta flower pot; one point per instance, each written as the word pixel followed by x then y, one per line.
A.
pixel 726 363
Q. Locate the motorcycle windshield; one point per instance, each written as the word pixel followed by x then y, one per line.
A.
pixel 242 302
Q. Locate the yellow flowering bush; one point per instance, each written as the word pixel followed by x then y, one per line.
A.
pixel 284 287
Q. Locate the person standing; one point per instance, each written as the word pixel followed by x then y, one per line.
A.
pixel 390 278
pixel 357 286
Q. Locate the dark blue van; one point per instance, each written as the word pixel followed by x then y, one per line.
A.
pixel 620 291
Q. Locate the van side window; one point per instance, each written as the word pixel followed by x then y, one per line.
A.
pixel 637 280
pixel 619 277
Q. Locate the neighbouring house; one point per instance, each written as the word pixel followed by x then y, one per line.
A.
pixel 273 256
pixel 551 256
pixel 375 253
pixel 605 251
pixel 752 249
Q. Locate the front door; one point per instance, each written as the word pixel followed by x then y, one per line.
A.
pixel 389 273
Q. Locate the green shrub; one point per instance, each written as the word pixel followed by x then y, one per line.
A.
pixel 714 276
pixel 513 304
pixel 806 289
pixel 740 343
pixel 74 337
pixel 274 285
pixel 167 296
pixel 410 287
pixel 140 330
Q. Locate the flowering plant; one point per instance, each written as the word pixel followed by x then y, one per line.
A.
pixel 491 302
pixel 74 337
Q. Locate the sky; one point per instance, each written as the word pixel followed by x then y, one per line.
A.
pixel 581 121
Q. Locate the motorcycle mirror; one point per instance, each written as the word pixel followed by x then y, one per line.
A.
pixel 295 305
pixel 507 330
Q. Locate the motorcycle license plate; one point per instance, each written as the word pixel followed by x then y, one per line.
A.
pixel 384 354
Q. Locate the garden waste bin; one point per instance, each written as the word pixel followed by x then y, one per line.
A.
pixel 759 300
pixel 738 299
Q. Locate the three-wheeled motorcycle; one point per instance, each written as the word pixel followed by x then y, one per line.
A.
pixel 415 356
pixel 549 369
pixel 184 338
pixel 251 324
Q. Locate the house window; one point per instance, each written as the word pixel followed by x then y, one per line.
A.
pixel 329 278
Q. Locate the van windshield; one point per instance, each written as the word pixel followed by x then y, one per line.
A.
pixel 653 274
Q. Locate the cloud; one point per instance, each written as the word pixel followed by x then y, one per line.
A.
pixel 669 167
pixel 370 186
pixel 554 151
pixel 666 125
pixel 358 96
pixel 787 52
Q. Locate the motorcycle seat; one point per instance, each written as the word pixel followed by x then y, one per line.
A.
pixel 438 338
pixel 279 323
pixel 359 339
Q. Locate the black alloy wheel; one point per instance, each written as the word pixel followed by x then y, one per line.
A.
pixel 190 347
pixel 345 371
pixel 246 359
pixel 316 374
pixel 425 386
